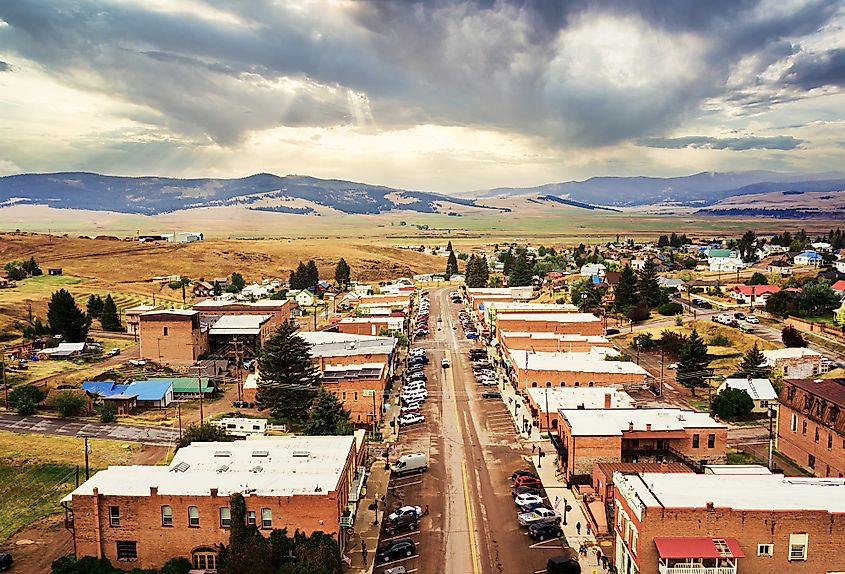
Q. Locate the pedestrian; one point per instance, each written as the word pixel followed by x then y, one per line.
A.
pixel 604 561
pixel 364 551
pixel 583 550
pixel 589 529
pixel 598 556
pixel 533 448
pixel 425 512
pixel 578 528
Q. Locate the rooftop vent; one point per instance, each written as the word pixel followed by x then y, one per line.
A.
pixel 222 453
pixel 301 453
pixel 257 469
pixel 223 468
pixel 261 453
pixel 181 467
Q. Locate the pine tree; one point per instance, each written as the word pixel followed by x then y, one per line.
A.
pixel 66 319
pixel 449 246
pixel 94 306
pixel 626 289
pixel 521 273
pixel 692 366
pixel 237 281
pixel 477 272
pixel 753 363
pixel 288 380
pixel 109 318
pixel 299 278
pixel 312 274
pixel 217 289
pixel 342 272
pixel 451 265
pixel 648 289
pixel 508 260
pixel 327 416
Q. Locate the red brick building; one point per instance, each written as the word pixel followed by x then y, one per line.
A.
pixel 173 337
pixel 141 516
pixel 811 427
pixel 544 404
pixel 361 389
pixel 551 342
pixel 279 311
pixel 370 325
pixel 728 524
pixel 561 323
pixel 528 370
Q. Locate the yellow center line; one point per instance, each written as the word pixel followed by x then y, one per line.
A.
pixel 470 523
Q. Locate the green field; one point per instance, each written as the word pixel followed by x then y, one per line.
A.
pixel 31 492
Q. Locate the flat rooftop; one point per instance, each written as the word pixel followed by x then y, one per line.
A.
pixel 562 317
pixel 272 466
pixel 363 372
pixel 772 492
pixel 571 397
pixel 789 353
pixel 561 337
pixel 328 344
pixel 573 362
pixel 261 303
pixel 613 422
pixel 506 306
pixel 238 325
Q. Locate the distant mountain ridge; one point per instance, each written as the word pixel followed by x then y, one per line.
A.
pixel 700 189
pixel 154 195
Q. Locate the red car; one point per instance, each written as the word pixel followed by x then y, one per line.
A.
pixel 527 481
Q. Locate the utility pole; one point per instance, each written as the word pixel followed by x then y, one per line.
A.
pixel 771 435
pixel 238 363
pixel 548 423
pixel 87 450
pixel 661 372
pixel 179 414
pixel 3 369
pixel 199 388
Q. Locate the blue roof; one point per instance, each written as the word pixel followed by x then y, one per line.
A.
pixel 104 388
pixel 596 279
pixel 149 390
pixel 810 255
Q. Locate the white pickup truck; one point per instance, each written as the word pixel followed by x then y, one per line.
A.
pixel 723 318
pixel 538 515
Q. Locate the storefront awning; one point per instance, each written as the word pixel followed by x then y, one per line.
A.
pixel 698 547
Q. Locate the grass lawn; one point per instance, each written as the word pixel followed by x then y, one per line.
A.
pixel 46 465
pixel 737 457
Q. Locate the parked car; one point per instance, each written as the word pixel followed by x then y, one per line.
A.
pixel 526 499
pixel 471 335
pixel 409 463
pixel 739 316
pixel 411 419
pixel 491 395
pixel 611 331
pixel 405 511
pixel 544 531
pixel 403 547
pixel 444 363
pixel 403 520
pixel 522 472
pixel 752 319
pixel 524 490
pixel 5 560
pixel 563 565
pixel 538 515
pixel 527 481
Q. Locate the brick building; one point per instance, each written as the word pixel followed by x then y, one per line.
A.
pixel 349 349
pixel 528 370
pixel 551 342
pixel 811 429
pixel 132 316
pixel 728 524
pixel 279 311
pixel 141 516
pixel 361 389
pixel 795 362
pixel 587 436
pixel 561 323
pixel 173 337
pixel 234 334
pixel 545 404
pixel 494 308
pixel 370 325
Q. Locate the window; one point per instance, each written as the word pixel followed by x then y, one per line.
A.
pixel 817 435
pixel 266 518
pixel 114 516
pixel 765 550
pixel 193 516
pixel 577 384
pixel 166 516
pixel 205 559
pixel 127 550
pixel 797 546
pixel 764 404
pixel 250 518
pixel 811 461
pixel 225 517
pixel 794 425
pixel 695 441
pixel 711 441
pixel 356 395
pixel 344 395
pixel 829 441
pixel 804 427
pixel 164 334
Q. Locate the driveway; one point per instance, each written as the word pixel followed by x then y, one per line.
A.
pixel 70 427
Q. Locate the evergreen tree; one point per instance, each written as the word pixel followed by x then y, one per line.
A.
pixel 746 245
pixel 508 260
pixel 449 246
pixel 248 551
pixel 477 272
pixel 626 289
pixel 586 295
pixel 451 265
pixel 299 277
pixel 217 289
pixel 692 366
pixel 663 241
pixel 327 416
pixel 94 306
pixel 648 289
pixel 31 267
pixel 520 275
pixel 288 380
pixel 109 318
pixel 342 272
pixel 757 279
pixel 312 276
pixel 66 319
pixel 237 281
pixel 753 364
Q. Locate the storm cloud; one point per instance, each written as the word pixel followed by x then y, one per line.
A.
pixel 734 143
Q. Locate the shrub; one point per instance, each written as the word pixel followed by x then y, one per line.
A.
pixel 69 404
pixel 719 341
pixel 25 407
pixel 732 403
pixel 670 308
pixel 671 342
pixel 644 341
pixel 679 320
pixel 108 414
pixel 792 337
pixel 638 313
pixel 26 392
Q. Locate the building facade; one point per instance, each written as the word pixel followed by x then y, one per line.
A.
pixel 173 337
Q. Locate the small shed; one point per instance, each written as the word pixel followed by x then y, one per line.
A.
pixel 122 404
pixel 54 271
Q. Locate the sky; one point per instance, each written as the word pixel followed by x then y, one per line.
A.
pixel 437 95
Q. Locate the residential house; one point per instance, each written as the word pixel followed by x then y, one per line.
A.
pixel 63 351
pixel 812 425
pixel 724 260
pixel 808 258
pixel 593 269
pixel 727 524
pixel 189 387
pixel 203 289
pixel 760 390
pixel 670 282
pixel 53 395
pixel 840 265
pixel 795 362
pixel 142 516
pixel 156 393
pixel 753 294
pixel 839 287
pixel 54 271
pixel 780 266
pixel 303 297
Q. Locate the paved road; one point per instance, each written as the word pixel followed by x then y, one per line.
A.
pixel 112 431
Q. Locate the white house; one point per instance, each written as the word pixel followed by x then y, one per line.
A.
pixel 840 265
pixel 303 298
pixel 724 260
pixel 808 258
pixel 821 246
pixel 761 392
pixel 594 269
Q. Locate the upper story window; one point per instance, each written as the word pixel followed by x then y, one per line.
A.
pixel 166 516
pixel 193 516
pixel 114 516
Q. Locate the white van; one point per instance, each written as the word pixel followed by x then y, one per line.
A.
pixel 410 463
pixel 414 395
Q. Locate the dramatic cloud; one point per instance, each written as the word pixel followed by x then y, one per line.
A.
pixel 736 144
pixel 190 85
pixel 5 66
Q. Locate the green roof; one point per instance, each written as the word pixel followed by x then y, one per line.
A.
pixel 719 253
pixel 185 385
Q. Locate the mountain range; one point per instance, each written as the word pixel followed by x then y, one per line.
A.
pixel 264 191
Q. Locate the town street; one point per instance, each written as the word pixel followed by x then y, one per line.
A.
pixel 71 427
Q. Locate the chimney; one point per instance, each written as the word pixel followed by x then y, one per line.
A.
pixel 630 426
pixel 648 427
pixel 749 378
pixel 710 507
pixel 213 493
pixel 664 465
pixel 607 400
pixel 153 491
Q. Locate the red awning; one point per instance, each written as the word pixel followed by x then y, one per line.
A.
pixel 697 547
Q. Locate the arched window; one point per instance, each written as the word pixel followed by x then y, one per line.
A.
pixel 534 384
pixel 205 559
pixel 562 384
pixel 591 384
pixel 548 384
pixel 577 384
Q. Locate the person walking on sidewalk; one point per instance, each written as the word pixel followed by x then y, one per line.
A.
pixel 533 448
pixel 364 551
pixel 598 556
pixel 589 529
pixel 604 561
pixel 578 528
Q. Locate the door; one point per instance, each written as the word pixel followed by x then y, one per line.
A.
pixel 205 559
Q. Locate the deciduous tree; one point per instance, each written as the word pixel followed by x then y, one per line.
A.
pixel 732 403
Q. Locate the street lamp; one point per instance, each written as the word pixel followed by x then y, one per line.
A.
pixel 771 435
pixel 566 508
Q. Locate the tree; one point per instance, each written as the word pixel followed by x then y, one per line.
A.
pixel 637 313
pixel 585 295
pixel 732 403
pixel 477 272
pixel 520 274
pixel 342 272
pixel 69 404
pixel 449 246
pixel 66 319
pixel 663 241
pixel 817 298
pixel 25 399
pixel 299 277
pixel 626 289
pixel 508 260
pixel 312 276
pixel 753 363
pixel 94 306
pixel 451 265
pixel 648 289
pixel 109 319
pixel 781 303
pixel 327 416
pixel 108 414
pixel 670 308
pixel 237 281
pixel 746 245
pixel 31 267
pixel 217 290
pixel 671 342
pixel 288 379
pixel 757 279
pixel 792 337
pixel 692 366
pixel 248 551
pixel 203 432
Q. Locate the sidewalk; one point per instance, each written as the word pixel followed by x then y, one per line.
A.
pixel 366 528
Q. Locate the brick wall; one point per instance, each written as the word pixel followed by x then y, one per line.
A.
pixel 351 393
pixel 503 323
pixel 172 339
pixel 800 444
pixel 531 378
pixel 526 343
pixel 278 314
